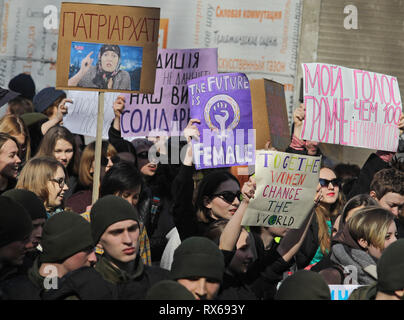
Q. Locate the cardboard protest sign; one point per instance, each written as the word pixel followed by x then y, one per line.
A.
pixel 342 291
pixel 286 187
pixel 270 116
pixel 166 112
pixel 222 103
pixel 107 47
pixel 351 107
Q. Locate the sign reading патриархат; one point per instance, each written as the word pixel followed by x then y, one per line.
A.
pixel 286 187
pixel 351 107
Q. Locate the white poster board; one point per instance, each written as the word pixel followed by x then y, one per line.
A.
pixel 351 107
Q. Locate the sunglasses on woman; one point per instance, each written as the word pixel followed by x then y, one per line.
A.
pixel 325 183
pixel 228 196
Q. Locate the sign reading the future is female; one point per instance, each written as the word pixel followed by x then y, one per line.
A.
pixel 222 103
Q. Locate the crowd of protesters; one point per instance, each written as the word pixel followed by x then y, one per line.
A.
pixel 167 231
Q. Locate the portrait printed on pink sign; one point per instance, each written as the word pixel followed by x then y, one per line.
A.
pixel 351 107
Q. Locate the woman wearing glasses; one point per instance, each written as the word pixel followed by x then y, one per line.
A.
pixel 218 195
pixel 46 177
pixel 318 240
pixel 59 143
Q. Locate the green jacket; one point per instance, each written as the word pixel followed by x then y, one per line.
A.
pixel 115 275
pixel 38 280
pixel 134 285
pixel 364 293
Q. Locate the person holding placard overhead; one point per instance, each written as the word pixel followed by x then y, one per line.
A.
pixel 300 146
pixel 318 240
pixel 106 74
pixel 218 194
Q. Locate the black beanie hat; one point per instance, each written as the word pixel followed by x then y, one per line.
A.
pixel 390 268
pixel 29 201
pixel 24 84
pixel 304 285
pixel 197 257
pixel 64 234
pixel 169 290
pixel 15 222
pixel 107 211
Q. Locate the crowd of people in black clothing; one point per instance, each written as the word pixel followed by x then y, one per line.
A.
pixel 170 232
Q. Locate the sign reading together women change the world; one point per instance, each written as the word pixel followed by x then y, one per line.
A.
pixel 222 103
pixel 286 187
pixel 351 107
pixel 107 47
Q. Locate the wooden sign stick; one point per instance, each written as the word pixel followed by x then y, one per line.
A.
pixel 98 147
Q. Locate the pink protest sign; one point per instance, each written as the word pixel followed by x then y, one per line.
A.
pixel 351 107
pixel 166 111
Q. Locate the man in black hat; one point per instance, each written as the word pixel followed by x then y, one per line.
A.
pixel 115 226
pixel 304 285
pixel 35 208
pixel 24 84
pixel 169 290
pixel 67 245
pixel 198 265
pixel 15 231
